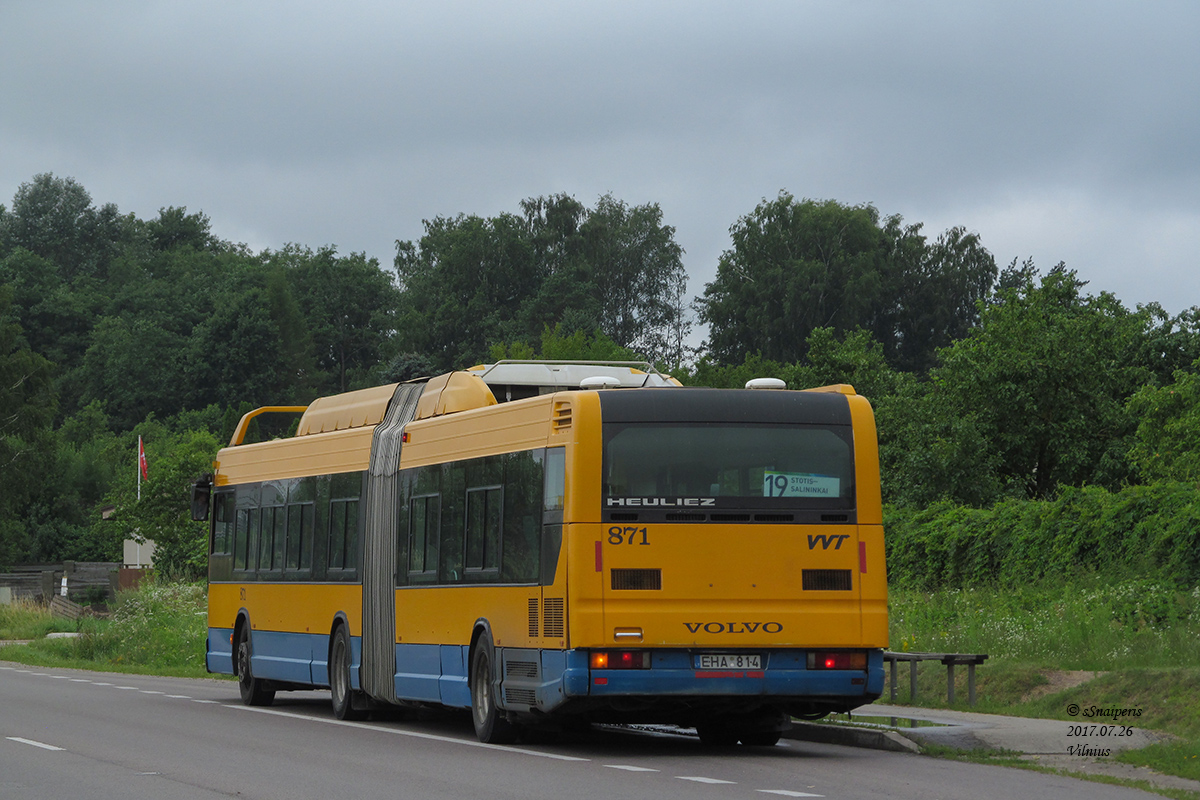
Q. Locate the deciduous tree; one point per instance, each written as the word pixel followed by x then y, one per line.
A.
pixel 796 266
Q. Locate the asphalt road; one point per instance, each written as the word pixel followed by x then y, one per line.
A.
pixel 73 735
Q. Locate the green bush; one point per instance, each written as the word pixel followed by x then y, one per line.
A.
pixel 156 625
pixel 1084 623
pixel 1152 531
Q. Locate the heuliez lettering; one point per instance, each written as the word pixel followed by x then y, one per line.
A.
pixel 661 502
pixel 734 627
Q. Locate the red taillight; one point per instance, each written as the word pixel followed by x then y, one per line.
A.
pixel 838 659
pixel 620 659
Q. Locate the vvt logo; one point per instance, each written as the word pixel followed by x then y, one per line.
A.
pixel 827 539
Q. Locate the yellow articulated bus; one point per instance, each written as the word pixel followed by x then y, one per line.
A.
pixel 544 542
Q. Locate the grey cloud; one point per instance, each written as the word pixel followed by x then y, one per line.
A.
pixel 348 124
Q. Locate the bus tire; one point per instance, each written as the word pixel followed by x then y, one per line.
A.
pixel 254 690
pixel 340 690
pixel 491 726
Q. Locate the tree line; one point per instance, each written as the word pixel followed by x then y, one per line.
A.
pixel 989 384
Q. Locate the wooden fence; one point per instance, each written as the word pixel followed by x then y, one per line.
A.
pixel 85 580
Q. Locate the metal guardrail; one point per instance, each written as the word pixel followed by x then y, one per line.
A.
pixel 951 660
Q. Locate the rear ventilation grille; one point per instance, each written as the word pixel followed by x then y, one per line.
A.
pixel 774 517
pixel 825 580
pixel 835 518
pixel 553 624
pixel 521 669
pixel 561 419
pixel 533 617
pixel 622 517
pixel 520 697
pixel 730 517
pixel 685 518
pixel 623 579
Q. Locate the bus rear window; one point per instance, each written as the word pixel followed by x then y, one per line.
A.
pixel 729 466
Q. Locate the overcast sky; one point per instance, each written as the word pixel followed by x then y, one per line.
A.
pixel 1062 131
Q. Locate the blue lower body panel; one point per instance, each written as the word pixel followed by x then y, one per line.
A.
pixel 452 685
pixel 432 673
pixel 542 681
pixel 218 656
pixel 300 658
pixel 551 680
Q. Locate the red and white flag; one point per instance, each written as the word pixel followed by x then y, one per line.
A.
pixel 142 460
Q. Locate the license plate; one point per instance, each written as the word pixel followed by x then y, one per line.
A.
pixel 728 661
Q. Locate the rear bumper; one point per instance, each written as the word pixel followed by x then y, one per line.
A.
pixel 672 683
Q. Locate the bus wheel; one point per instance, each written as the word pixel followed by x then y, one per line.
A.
pixel 490 724
pixel 339 678
pixel 254 690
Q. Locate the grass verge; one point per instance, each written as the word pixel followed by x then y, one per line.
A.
pixel 158 629
pixel 27 620
pixel 1087 642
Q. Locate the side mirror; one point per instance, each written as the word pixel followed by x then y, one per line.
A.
pixel 201 494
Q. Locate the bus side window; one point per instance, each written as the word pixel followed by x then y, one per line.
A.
pixel 272 516
pixel 343 533
pixel 223 524
pixel 447 564
pixel 556 480
pixel 483 516
pixel 252 541
pixel 524 479
pixel 424 524
pixel 241 533
pixel 553 501
pixel 299 536
pixel 301 522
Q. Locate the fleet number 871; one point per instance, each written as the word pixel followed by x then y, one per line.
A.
pixel 628 535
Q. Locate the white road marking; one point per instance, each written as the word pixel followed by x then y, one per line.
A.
pixel 42 745
pixel 699 779
pixel 413 734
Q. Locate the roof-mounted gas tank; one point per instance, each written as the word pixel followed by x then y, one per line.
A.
pixel 515 380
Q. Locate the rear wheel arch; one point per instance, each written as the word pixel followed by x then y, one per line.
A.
pixel 339 621
pixel 348 703
pixel 482 626
pixel 492 724
pixel 241 624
